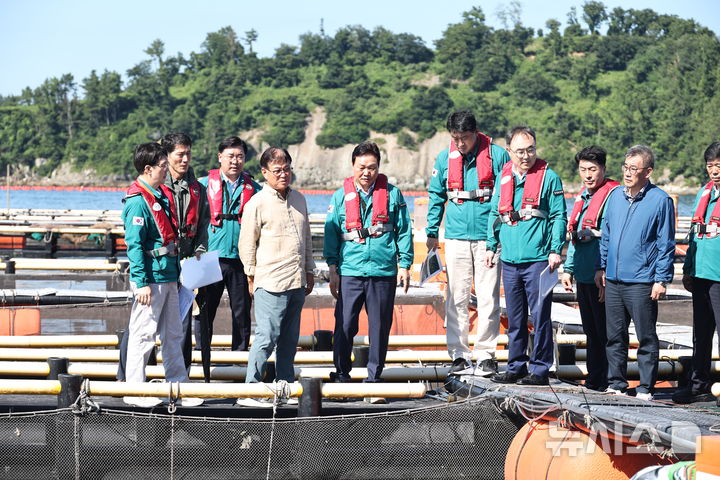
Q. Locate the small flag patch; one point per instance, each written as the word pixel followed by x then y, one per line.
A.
pixel 138 221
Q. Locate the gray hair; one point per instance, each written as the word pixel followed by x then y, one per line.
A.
pixel 643 151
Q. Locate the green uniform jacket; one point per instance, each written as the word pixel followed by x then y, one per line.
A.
pixel 378 256
pixel 141 235
pixel 224 239
pixel 530 240
pixel 187 246
pixel 468 220
pixel 703 253
pixel 583 258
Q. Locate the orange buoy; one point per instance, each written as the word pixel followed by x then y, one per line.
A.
pixel 543 450
pixel 19 321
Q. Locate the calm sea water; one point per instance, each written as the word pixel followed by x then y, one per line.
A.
pixel 93 200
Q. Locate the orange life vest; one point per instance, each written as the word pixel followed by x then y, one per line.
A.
pixel 593 213
pixel 353 218
pixel 483 165
pixel 215 188
pixel 712 228
pixel 167 227
pixel 534 179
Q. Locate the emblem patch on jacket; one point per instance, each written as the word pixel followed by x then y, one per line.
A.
pixel 138 221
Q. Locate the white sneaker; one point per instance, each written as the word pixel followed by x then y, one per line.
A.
pixel 614 391
pixel 145 402
pixel 289 401
pixel 191 401
pixel 647 396
pixel 255 402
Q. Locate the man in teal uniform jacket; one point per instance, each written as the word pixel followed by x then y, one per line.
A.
pixel 528 217
pixel 460 188
pixel 228 189
pixel 367 234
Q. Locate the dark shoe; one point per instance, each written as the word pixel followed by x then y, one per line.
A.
pixel 460 364
pixel 340 377
pixel 533 380
pixel 687 395
pixel 506 377
pixel 487 367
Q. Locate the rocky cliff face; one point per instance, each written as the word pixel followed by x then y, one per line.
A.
pixel 316 167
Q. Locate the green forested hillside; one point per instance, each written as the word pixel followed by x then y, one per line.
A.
pixel 651 78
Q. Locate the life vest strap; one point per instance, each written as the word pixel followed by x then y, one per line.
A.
pixel 226 216
pixel 705 229
pixel 169 249
pixel 481 194
pixel 584 235
pixel 511 218
pixel 360 234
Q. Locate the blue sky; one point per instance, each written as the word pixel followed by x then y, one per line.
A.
pixel 47 38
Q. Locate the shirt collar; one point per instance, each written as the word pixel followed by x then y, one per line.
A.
pixel 369 191
pixel 638 195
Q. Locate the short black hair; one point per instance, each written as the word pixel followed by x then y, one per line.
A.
pixel 274 154
pixel 233 142
pixel 462 121
pixel 515 131
pixel 366 148
pixel 712 152
pixel 148 154
pixel 593 154
pixel 172 140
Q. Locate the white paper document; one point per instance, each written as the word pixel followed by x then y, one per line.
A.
pixel 431 266
pixel 196 273
pixel 185 300
pixel 547 282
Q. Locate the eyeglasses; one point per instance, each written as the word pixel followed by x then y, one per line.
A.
pixel 281 171
pixel 237 158
pixel 632 169
pixel 529 151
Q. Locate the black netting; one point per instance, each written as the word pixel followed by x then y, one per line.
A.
pixel 461 440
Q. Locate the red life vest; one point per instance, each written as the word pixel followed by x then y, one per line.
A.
pixel 192 216
pixel 215 196
pixel 353 220
pixel 534 179
pixel 483 165
pixel 591 220
pixel 698 218
pixel 166 226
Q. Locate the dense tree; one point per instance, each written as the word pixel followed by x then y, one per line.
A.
pixel 651 79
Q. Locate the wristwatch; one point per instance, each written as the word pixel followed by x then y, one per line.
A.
pixel 663 284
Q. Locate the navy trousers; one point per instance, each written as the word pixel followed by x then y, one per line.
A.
pixel 522 287
pixel 706 312
pixel 624 301
pixel 235 280
pixel 378 296
pixel 592 313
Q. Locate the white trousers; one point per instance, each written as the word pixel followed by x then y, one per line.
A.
pixel 161 317
pixel 465 261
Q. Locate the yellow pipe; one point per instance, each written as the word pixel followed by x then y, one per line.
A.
pixel 29 387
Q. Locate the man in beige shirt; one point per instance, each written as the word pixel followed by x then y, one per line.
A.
pixel 276 248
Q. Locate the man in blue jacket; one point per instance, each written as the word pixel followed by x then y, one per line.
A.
pixel 636 263
pixel 460 188
pixel 367 234
pixel 228 190
pixel 701 276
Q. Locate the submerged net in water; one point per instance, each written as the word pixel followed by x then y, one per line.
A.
pixel 467 439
